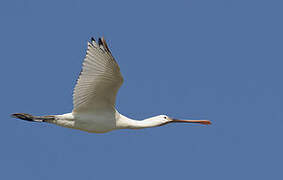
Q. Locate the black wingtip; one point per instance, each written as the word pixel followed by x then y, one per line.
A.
pixel 105 44
pixel 92 39
pixel 99 42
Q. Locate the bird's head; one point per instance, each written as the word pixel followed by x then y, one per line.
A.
pixel 164 119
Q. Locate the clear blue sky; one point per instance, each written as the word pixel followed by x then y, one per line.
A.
pixel 217 60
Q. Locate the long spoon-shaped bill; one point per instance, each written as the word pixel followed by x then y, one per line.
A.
pixel 206 122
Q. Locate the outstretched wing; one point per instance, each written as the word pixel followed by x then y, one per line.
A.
pixel 99 80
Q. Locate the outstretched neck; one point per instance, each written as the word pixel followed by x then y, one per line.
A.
pixel 127 123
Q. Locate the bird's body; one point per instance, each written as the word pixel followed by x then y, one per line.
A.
pixel 95 95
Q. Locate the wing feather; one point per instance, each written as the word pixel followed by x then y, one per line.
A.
pixel 99 80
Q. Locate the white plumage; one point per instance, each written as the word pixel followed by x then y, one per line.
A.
pixel 99 81
pixel 95 95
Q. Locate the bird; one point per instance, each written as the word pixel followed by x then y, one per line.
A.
pixel 94 98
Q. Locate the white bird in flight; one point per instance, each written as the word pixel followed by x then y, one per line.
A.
pixel 94 98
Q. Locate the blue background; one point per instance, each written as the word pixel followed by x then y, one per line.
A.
pixel 197 59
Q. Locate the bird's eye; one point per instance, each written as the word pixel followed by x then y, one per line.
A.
pixel 165 117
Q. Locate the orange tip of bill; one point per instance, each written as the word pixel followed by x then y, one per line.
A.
pixel 205 122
